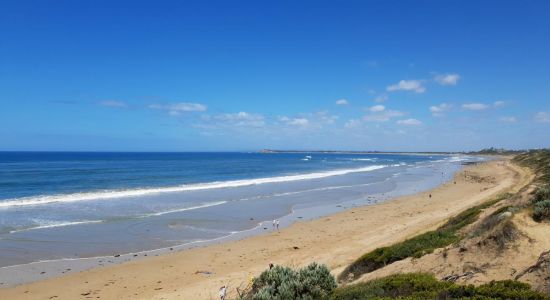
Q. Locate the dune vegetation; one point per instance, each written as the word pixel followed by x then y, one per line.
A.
pixel 416 246
pixel 539 161
pixel 426 286
pixel 496 227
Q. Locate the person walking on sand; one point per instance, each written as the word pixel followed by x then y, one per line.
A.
pixel 223 292
pixel 273 224
pixel 277 224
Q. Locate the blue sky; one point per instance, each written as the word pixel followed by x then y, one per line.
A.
pixel 246 75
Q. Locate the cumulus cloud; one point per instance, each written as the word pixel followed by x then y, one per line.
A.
pixel 113 103
pixel 178 108
pixel 377 108
pixel 294 121
pixel 382 116
pixel 409 122
pixel 439 110
pixel 542 117
pixel 381 98
pixel 447 79
pixel 508 119
pixel 351 123
pixel 475 106
pixel 342 102
pixel 324 117
pixel 498 103
pixel 407 85
pixel 311 121
pixel 241 119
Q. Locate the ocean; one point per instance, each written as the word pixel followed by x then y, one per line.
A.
pixel 67 205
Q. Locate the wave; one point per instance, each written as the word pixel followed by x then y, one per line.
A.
pixel 453 159
pixel 53 224
pixel 111 194
pixel 458 158
pixel 182 209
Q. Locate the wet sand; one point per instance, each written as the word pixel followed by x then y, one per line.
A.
pixel 335 240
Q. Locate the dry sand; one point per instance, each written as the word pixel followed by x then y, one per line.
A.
pixel 335 240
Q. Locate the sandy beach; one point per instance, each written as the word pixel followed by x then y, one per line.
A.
pixel 335 240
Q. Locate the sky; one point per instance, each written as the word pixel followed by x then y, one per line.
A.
pixel 246 75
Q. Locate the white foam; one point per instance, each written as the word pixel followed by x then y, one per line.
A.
pixel 183 209
pixel 111 194
pixel 458 158
pixel 53 224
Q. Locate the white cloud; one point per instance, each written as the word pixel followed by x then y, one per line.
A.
pixel 352 123
pixel 407 85
pixel 447 79
pixel 342 102
pixel 294 121
pixel 381 98
pixel 178 108
pixel 383 116
pixel 242 119
pixel 475 106
pixel 323 117
pixel 542 117
pixel 377 108
pixel 409 122
pixel 311 121
pixel 508 119
pixel 439 110
pixel 113 103
pixel 499 103
pixel 299 121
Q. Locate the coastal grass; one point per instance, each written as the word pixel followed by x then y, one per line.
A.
pixel 416 246
pixel 539 162
pixel 426 286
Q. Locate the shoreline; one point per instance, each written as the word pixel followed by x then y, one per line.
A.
pixel 198 283
pixel 24 273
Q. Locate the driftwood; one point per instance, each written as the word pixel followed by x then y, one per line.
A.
pixel 454 277
pixel 543 259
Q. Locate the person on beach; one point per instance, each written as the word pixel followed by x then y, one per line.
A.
pixel 277 224
pixel 274 221
pixel 223 292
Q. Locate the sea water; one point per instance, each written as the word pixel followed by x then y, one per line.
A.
pixel 58 205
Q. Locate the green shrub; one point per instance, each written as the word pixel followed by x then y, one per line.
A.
pixel 493 220
pixel 425 286
pixel 413 247
pixel 392 286
pixel 281 283
pixel 541 210
pixel 507 289
pixel 542 193
pixel 417 246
